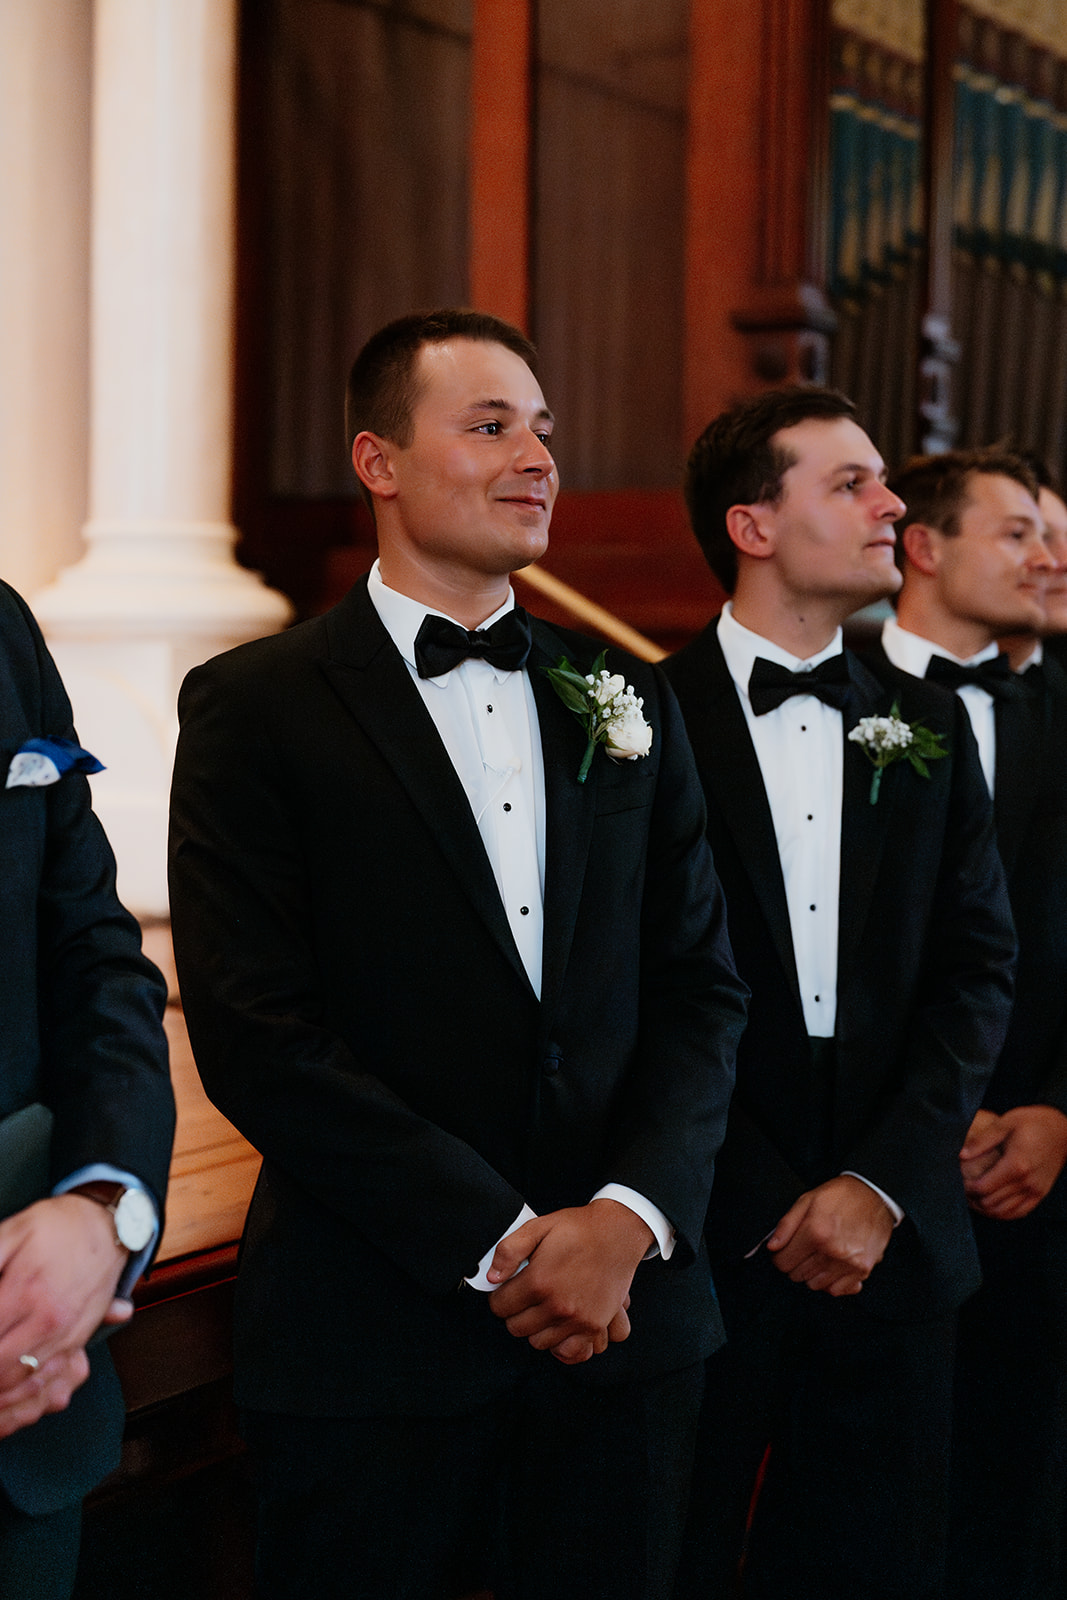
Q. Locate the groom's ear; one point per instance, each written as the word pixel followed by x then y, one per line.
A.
pixel 921 546
pixel 750 531
pixel 372 459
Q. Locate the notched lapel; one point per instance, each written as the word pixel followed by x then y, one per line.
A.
pixel 570 810
pixel 863 826
pixel 369 676
pixel 728 765
pixel 1020 747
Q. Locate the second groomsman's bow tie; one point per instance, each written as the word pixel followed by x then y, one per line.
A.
pixel 770 684
pixel 994 676
pixel 441 644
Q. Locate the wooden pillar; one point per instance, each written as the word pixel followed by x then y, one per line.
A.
pixel 939 351
pixel 757 180
pixel 501 137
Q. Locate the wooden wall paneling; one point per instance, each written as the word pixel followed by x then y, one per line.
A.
pixel 756 208
pixel 1053 438
pixel 785 314
pixel 723 199
pixel 939 349
pixel 501 135
pixel 1033 380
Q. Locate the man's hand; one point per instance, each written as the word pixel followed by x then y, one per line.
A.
pixel 1029 1149
pixel 981 1148
pixel 59 1266
pixel 833 1237
pixel 572 1297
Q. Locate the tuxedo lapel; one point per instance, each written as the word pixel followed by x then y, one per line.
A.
pixel 570 810
pixel 727 760
pixel 371 679
pixel 863 825
pixel 1019 741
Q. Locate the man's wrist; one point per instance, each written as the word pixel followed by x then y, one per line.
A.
pixel 133 1216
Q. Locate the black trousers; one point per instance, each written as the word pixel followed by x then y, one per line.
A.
pixel 850 1418
pixel 560 1490
pixel 38 1555
pixel 1009 1455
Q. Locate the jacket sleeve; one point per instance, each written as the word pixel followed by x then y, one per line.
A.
pixel 692 1004
pixel 103 1066
pixel 959 1012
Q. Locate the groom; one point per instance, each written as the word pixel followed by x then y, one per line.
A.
pixel 871 924
pixel 480 1018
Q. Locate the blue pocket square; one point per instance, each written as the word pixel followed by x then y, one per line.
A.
pixel 43 761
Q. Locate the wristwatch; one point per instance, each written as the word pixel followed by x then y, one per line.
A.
pixel 132 1212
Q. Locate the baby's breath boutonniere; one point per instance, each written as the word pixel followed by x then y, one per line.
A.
pixel 888 739
pixel 607 707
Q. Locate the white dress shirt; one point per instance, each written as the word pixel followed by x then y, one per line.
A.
pixel 911 653
pixel 487 720
pixel 800 749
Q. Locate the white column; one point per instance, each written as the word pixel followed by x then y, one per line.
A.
pixel 158 588
pixel 45 64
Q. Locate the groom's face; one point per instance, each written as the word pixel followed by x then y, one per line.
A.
pixel 474 489
pixel 832 526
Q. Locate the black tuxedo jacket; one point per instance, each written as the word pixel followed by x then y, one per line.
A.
pixel 358 1008
pixel 1030 808
pixel 81 1031
pixel 925 961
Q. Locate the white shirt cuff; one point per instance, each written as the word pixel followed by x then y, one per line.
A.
pixel 479 1280
pixel 665 1235
pixel 898 1215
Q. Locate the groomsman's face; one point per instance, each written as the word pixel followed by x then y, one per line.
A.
pixel 1054 512
pixel 832 528
pixel 994 569
pixel 472 494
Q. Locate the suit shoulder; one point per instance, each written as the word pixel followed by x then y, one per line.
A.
pixel 581 651
pixel 259 658
pixel 687 669
pixel 920 700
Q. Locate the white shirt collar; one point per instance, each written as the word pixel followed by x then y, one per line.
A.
pixel 402 618
pixel 911 652
pixel 740 647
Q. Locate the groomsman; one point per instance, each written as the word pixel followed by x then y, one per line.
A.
pixel 1029 647
pixel 868 915
pixel 977 565
pixel 458 966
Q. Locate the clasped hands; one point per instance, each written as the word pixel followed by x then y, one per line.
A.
pixel 572 1297
pixel 1010 1162
pixel 59 1267
pixel 833 1236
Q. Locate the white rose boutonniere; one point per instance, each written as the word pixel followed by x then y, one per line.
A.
pixel 607 707
pixel 888 739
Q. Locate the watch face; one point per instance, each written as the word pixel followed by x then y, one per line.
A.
pixel 135 1219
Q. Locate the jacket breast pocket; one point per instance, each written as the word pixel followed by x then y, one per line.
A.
pixel 625 786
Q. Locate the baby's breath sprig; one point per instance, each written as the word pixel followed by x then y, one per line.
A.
pixel 884 740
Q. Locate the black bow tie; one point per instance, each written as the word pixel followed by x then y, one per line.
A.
pixel 994 676
pixel 769 684
pixel 441 644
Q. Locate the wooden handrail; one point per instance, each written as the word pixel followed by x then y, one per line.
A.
pixel 587 612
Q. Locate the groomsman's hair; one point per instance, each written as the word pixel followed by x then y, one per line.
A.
pixel 934 488
pixel 736 462
pixel 382 389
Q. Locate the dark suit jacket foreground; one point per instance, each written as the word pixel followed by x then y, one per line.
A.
pixel 1030 809
pixel 358 1008
pixel 925 960
pixel 81 1011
